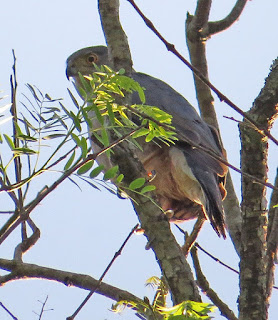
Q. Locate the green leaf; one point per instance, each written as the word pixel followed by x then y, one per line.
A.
pixel 105 137
pixel 137 183
pixel 84 147
pixel 148 188
pixel 86 167
pixel 9 141
pixel 110 173
pixel 26 138
pixel 76 139
pixel 70 161
pixel 86 117
pixel 73 99
pixel 76 121
pixel 120 178
pixel 19 151
pixel 150 136
pixel 53 136
pixel 98 114
pixel 95 172
pixel 140 133
pixel 17 128
pixel 110 113
pixel 121 71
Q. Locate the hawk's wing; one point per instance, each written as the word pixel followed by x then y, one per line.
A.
pixel 186 161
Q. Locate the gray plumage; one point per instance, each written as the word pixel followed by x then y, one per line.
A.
pixel 188 180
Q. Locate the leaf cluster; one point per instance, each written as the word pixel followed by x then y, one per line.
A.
pixel 187 310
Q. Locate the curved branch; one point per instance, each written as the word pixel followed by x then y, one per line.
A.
pixel 232 17
pixel 19 270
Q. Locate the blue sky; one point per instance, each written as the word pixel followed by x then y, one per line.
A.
pixel 80 231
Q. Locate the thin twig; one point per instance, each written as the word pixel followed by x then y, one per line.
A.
pixel 118 253
pixel 43 308
pixel 8 311
pixel 170 47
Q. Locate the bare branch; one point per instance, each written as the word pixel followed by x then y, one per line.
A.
pixel 204 285
pixel 232 17
pixel 19 270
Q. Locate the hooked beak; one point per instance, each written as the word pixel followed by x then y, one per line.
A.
pixel 68 73
pixel 70 70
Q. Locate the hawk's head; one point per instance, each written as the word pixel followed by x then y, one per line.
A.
pixel 83 61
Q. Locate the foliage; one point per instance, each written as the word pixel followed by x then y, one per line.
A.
pixel 187 310
pixel 45 136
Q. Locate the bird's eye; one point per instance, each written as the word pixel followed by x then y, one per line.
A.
pixel 92 58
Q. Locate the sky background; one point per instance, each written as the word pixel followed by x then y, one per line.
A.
pixel 81 231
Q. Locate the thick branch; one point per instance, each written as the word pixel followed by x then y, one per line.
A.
pixel 21 270
pixel 253 302
pixel 168 253
pixel 232 17
pixel 116 39
pixel 202 14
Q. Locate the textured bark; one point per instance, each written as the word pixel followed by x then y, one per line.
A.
pixel 115 36
pixel 157 230
pixel 197 32
pixel 272 238
pixel 253 300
